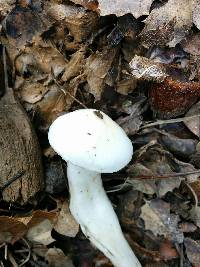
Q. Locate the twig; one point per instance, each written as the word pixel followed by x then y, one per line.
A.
pixel 65 92
pixel 166 176
pixel 5 69
pixel 160 122
pixel 12 259
pixel 118 187
pixel 29 253
pixel 10 181
pixel 6 252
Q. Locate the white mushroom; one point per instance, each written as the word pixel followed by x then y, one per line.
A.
pixel 92 143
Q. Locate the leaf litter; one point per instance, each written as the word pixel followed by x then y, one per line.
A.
pixel 138 61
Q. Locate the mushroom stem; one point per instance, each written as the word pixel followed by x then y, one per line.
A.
pixel 92 209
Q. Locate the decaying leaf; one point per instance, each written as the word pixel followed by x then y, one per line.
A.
pixel 152 160
pixel 66 224
pixel 195 215
pixel 79 22
pixel 75 65
pixel 136 7
pixel 157 218
pixel 131 124
pixel 38 60
pixel 97 67
pixel 40 225
pixel 194 123
pixel 89 4
pixel 145 69
pixel 22 25
pixel 179 147
pixel 191 45
pixel 168 24
pixel 192 251
pixel 196 13
pixel 5 7
pixel 56 258
pixel 11 229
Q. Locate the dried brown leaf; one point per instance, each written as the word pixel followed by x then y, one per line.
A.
pixel 11 229
pixel 40 59
pixel 23 25
pixel 96 69
pixel 167 251
pixel 168 24
pixel 5 7
pixel 75 65
pixel 192 251
pixel 79 21
pixel 196 13
pixel 153 159
pixel 195 215
pixel 66 224
pixel 56 258
pixel 32 92
pixel 157 218
pixel 192 46
pixel 193 124
pixel 187 227
pixel 40 225
pixel 137 8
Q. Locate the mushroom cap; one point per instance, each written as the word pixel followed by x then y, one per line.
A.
pixel 90 139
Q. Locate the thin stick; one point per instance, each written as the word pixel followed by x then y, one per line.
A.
pixel 5 69
pixel 160 122
pixel 10 181
pixel 166 176
pixel 29 253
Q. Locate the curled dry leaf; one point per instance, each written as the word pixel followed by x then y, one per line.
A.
pixel 131 123
pixel 66 224
pixel 191 45
pixel 38 60
pixel 152 160
pixel 23 25
pixel 5 7
pixel 196 13
pixel 32 92
pixel 79 22
pixel 180 147
pixel 89 4
pixel 157 219
pixel 172 98
pixel 96 69
pixel 187 227
pixel 75 65
pixel 193 124
pixel 167 251
pixel 192 251
pixel 56 258
pixel 169 23
pixel 137 8
pixel 11 230
pixel 40 225
pixel 195 215
pixel 145 69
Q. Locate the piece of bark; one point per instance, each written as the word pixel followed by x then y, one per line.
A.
pixel 19 152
